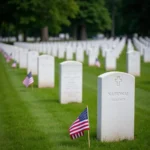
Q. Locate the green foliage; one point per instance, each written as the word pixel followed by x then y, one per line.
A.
pixel 93 17
pixel 41 13
pixel 131 16
pixel 136 13
pixel 94 12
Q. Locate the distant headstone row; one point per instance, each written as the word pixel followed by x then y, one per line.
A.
pixel 133 60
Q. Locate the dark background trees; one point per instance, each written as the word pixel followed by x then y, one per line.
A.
pixel 129 17
pixel 82 19
pixel 93 17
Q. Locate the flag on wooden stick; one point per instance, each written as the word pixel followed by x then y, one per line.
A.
pixel 79 125
pixel 8 58
pixel 97 63
pixel 14 64
pixel 28 80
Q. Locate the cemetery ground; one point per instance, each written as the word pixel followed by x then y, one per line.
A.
pixel 33 119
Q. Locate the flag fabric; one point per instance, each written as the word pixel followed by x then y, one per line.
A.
pixel 14 64
pixel 79 125
pixel 8 58
pixel 28 80
pixel 97 63
pixel 5 54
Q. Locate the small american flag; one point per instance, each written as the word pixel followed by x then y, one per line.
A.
pixel 5 54
pixel 8 59
pixel 97 63
pixel 14 64
pixel 28 80
pixel 79 125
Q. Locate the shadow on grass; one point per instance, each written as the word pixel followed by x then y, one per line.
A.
pixel 23 90
pixel 47 101
pixel 35 85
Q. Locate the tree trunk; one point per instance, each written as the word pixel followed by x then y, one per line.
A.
pixel 113 25
pixel 44 34
pixel 81 32
pixel 17 39
pixel 24 36
pixel 75 32
pixel 113 19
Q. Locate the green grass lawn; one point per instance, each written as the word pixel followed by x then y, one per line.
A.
pixel 35 120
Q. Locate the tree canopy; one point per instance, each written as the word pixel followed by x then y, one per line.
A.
pixel 93 16
pixel 82 18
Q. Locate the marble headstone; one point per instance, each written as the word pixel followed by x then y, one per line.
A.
pixel 133 63
pixel 115 106
pixel 146 54
pixel 46 71
pixel 79 54
pixel 110 61
pixel 70 82
pixel 23 58
pixel 32 62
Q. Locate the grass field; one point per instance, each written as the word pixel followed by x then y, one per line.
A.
pixel 35 120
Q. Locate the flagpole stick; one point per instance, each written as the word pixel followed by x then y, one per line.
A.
pixel 88 130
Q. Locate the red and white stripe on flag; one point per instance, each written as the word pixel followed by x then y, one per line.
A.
pixel 76 135
pixel 78 127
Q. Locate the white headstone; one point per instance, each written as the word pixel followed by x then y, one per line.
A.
pixel 133 63
pixel 46 71
pixel 17 53
pixel 79 54
pixel 147 54
pixel 23 58
pixel 70 82
pixel 69 53
pixel 91 57
pixel 61 51
pixel 54 51
pixel 32 62
pixel 110 61
pixel 115 109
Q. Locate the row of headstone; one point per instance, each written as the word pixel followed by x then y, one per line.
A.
pixel 58 49
pixel 115 103
pixel 113 54
pixel 111 50
pixel 43 65
pixel 133 60
pixel 143 48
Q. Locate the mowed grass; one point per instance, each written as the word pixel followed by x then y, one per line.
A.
pixel 33 119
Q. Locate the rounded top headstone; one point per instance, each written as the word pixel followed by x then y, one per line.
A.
pixel 70 63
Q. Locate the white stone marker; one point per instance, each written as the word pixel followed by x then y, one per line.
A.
pixel 32 62
pixel 69 53
pixel 133 63
pixel 110 61
pixel 54 51
pixel 147 54
pixel 79 54
pixel 23 58
pixel 91 57
pixel 17 53
pixel 70 82
pixel 46 71
pixel 115 107
pixel 61 52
